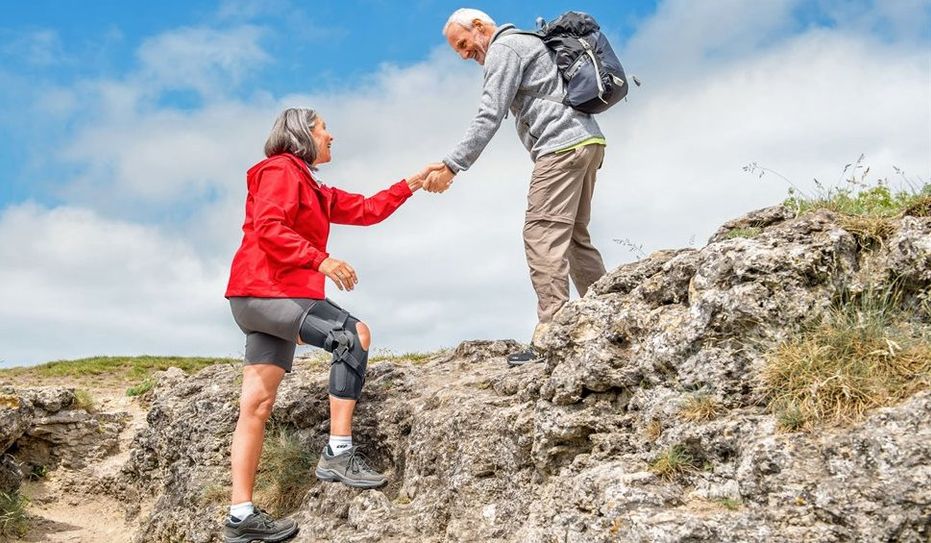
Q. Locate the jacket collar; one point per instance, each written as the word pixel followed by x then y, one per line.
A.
pixel 298 162
pixel 501 29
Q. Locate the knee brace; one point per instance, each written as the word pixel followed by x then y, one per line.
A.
pixel 331 327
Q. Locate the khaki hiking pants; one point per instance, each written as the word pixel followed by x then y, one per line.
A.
pixel 556 238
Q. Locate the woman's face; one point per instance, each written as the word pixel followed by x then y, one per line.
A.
pixel 323 140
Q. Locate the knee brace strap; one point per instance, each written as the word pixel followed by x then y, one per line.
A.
pixel 341 343
pixel 347 370
pixel 319 322
pixel 329 326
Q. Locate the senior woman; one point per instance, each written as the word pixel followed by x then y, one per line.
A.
pixel 276 293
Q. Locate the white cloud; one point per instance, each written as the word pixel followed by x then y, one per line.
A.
pixel 204 59
pixel 683 38
pixel 76 284
pixel 40 47
pixel 804 109
pixel 166 158
pixel 450 267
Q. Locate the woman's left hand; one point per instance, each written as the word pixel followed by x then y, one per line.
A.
pixel 339 272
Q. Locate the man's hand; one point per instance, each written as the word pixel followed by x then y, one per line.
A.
pixel 340 272
pixel 439 180
pixel 416 181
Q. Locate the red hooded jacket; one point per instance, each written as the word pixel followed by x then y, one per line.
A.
pixel 288 216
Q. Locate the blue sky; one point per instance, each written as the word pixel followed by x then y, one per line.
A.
pixel 126 128
pixel 308 46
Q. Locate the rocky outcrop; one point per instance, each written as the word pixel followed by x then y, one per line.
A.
pixel 42 428
pixel 566 451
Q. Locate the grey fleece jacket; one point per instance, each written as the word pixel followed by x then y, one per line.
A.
pixel 520 62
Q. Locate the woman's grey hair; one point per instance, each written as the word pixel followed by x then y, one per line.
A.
pixel 291 134
pixel 464 17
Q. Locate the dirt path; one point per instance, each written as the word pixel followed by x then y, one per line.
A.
pixel 59 513
pixel 64 517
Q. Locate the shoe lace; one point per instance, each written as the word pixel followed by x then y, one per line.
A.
pixel 358 462
pixel 264 518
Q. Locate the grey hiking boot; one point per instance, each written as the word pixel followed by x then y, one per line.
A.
pixel 349 467
pixel 527 356
pixel 259 527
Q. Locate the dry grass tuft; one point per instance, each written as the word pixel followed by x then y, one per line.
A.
pixel 869 231
pixel 699 407
pixel 83 399
pixel 215 494
pixel 920 207
pixel 673 463
pixel 749 232
pixel 286 472
pixel 654 429
pixel 865 354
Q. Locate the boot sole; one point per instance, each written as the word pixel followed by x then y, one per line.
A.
pixel 517 363
pixel 274 538
pixel 330 476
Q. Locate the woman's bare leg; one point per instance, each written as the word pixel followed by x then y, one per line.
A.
pixel 259 387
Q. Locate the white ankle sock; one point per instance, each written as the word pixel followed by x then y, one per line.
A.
pixel 241 510
pixel 340 444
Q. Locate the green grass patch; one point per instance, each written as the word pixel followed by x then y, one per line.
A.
pixel 38 472
pixel 411 357
pixel 878 201
pixel 729 503
pixel 673 463
pixel 866 353
pixel 286 471
pixel 868 212
pixel 13 519
pixel 122 369
pixel 141 388
pixel 866 206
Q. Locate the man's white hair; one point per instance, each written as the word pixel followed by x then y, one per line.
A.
pixel 464 17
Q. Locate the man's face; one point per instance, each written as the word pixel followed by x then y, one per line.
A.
pixel 470 43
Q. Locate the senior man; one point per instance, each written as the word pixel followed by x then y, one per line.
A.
pixel 566 146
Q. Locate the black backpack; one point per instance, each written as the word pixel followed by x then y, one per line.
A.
pixel 593 77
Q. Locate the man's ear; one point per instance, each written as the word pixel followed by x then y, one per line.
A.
pixel 477 24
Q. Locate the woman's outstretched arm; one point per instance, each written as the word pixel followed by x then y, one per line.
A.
pixel 356 209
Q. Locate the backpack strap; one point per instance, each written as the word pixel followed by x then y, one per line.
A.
pixel 526 92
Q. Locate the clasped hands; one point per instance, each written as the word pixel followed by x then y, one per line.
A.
pixel 435 177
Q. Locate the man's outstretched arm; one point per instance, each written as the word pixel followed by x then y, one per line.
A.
pixel 502 81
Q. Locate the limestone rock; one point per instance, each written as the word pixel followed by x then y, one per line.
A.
pixel 11 475
pixel 566 450
pixel 16 415
pixel 40 428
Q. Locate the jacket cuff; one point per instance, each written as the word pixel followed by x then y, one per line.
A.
pixel 456 168
pixel 401 188
pixel 318 259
